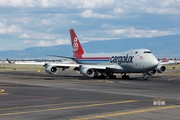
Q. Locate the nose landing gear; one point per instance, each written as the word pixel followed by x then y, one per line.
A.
pixel 144 76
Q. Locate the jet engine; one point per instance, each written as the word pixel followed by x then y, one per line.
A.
pixel 161 69
pixel 158 69
pixel 51 69
pixel 85 71
pixel 152 72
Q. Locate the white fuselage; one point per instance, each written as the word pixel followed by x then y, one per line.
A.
pixel 132 61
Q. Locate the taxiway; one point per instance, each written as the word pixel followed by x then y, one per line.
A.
pixel 30 95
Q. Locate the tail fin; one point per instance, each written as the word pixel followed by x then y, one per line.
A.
pixel 76 45
pixel 165 60
pixel 8 60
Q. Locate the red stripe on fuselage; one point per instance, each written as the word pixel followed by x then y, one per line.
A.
pixel 95 58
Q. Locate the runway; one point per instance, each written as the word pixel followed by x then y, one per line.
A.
pixel 69 96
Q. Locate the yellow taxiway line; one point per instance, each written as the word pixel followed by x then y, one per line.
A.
pixel 71 107
pixel 1 90
pixel 128 112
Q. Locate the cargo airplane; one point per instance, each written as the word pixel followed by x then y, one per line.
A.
pixel 105 65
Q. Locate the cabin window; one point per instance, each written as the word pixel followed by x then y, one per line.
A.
pixel 147 51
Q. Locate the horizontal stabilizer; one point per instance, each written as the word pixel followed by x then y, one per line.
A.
pixel 73 58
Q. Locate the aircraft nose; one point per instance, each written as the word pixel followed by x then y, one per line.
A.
pixel 154 62
pixel 151 62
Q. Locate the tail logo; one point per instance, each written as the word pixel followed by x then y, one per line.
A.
pixel 75 44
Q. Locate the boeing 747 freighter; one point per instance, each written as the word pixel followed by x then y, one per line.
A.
pixel 105 65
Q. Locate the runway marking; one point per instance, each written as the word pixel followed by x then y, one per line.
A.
pixel 127 113
pixel 71 107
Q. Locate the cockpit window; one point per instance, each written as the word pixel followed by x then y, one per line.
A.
pixel 147 51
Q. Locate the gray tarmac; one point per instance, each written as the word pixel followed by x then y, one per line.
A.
pixel 69 96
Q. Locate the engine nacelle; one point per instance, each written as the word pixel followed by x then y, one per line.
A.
pixel 161 69
pixel 51 69
pixel 152 72
pixel 85 71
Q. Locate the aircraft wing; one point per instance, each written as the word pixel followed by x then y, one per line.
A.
pixel 102 66
pixel 51 68
pixel 67 65
pixel 164 63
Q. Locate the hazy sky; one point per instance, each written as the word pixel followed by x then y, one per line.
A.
pixel 27 23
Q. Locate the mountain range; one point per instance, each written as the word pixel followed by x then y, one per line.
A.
pixel 164 46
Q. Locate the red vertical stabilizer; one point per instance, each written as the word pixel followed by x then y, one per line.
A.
pixel 165 60
pixel 76 45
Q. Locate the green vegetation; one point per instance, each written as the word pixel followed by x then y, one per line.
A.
pixel 173 67
pixel 14 67
pixel 40 68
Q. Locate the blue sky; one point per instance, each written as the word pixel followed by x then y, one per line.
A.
pixel 29 23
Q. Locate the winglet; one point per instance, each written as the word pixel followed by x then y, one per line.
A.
pixel 76 45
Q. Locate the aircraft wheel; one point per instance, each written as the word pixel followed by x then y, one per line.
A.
pixel 145 78
pixel 112 77
pixel 102 77
pixel 95 77
pixel 125 77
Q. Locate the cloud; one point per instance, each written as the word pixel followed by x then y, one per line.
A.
pixel 25 35
pixel 56 3
pixel 35 35
pixel 27 41
pixel 163 8
pixel 73 21
pixel 25 20
pixel 94 4
pixel 147 6
pixel 62 42
pixel 44 43
pixel 118 10
pixel 117 6
pixel 91 14
pixel 27 3
pixel 85 39
pixel 46 21
pixel 43 22
pixel 4 29
pixel 131 32
pixel 1 49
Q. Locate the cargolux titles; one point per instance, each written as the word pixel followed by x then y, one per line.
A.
pixel 121 59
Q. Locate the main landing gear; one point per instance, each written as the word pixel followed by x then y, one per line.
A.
pixel 104 76
pixel 111 76
pixel 125 76
pixel 101 75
